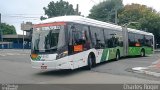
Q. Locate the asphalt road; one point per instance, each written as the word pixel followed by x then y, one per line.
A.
pixel 15 67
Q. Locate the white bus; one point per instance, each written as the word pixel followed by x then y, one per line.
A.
pixel 70 42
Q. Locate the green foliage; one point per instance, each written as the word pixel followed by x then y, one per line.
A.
pixel 105 11
pixel 59 8
pixel 7 29
pixel 152 24
pixel 42 18
pixel 134 12
pixel 148 19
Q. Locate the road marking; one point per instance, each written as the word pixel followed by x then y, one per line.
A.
pixel 156 64
pixel 153 69
pixel 146 71
pixel 2 55
pixel 139 68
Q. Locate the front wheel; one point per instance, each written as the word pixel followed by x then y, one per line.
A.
pixel 90 63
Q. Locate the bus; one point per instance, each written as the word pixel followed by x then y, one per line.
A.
pixel 71 42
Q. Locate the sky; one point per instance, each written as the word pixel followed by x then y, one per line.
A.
pixel 14 12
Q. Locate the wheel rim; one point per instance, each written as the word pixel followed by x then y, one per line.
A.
pixel 90 62
pixel 142 53
pixel 117 56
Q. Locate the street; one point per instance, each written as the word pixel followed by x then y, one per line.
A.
pixel 15 68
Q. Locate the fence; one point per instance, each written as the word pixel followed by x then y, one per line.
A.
pixel 10 45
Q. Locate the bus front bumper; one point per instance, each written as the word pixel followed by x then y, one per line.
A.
pixel 52 65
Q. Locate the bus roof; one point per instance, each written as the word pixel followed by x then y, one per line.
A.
pixel 139 31
pixel 92 22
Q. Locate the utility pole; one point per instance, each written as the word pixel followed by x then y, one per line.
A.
pixel 116 19
pixel 77 10
pixel 1 32
pixel 23 37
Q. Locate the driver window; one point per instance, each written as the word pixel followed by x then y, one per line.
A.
pixel 78 35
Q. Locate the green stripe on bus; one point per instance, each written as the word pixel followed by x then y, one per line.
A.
pixel 108 54
pixel 105 55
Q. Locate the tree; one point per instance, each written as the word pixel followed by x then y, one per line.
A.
pixel 7 29
pixel 148 19
pixel 134 13
pixel 106 10
pixel 152 24
pixel 59 8
pixel 42 18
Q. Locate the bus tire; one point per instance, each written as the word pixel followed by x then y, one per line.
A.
pixel 91 61
pixel 117 55
pixel 142 53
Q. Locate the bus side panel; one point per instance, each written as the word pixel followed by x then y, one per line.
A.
pixel 110 53
pixel 137 50
pixel 78 60
pixel 134 51
pixel 121 49
pixel 148 50
pixel 81 59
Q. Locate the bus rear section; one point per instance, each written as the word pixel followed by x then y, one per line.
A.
pixel 140 43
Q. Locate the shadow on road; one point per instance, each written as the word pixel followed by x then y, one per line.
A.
pixel 113 60
pixel 61 73
pixel 79 70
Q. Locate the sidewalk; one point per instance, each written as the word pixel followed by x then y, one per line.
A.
pixel 24 51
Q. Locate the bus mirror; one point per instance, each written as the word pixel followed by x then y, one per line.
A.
pixel 78 48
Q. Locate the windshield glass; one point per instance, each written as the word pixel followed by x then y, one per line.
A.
pixel 48 39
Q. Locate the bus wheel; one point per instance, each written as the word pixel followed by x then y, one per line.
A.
pixel 117 55
pixel 142 53
pixel 90 62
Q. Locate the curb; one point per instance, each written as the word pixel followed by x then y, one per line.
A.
pixel 156 50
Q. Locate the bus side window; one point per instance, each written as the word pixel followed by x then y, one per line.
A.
pixel 87 44
pixel 97 37
pixel 79 38
pixel 112 40
pixel 131 38
pixel 71 29
pixel 148 41
pixel 76 35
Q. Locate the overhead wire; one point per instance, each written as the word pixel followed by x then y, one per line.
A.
pixel 18 16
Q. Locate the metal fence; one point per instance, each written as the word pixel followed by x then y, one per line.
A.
pixel 10 45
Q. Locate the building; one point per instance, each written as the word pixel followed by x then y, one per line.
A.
pixel 15 42
pixel 18 41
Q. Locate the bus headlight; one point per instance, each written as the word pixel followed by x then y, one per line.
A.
pixel 63 54
pixel 34 56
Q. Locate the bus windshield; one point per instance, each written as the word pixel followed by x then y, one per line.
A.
pixel 48 39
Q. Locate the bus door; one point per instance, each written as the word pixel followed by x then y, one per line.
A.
pixel 78 43
pixel 79 38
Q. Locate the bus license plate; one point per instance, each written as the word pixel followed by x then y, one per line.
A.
pixel 43 67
